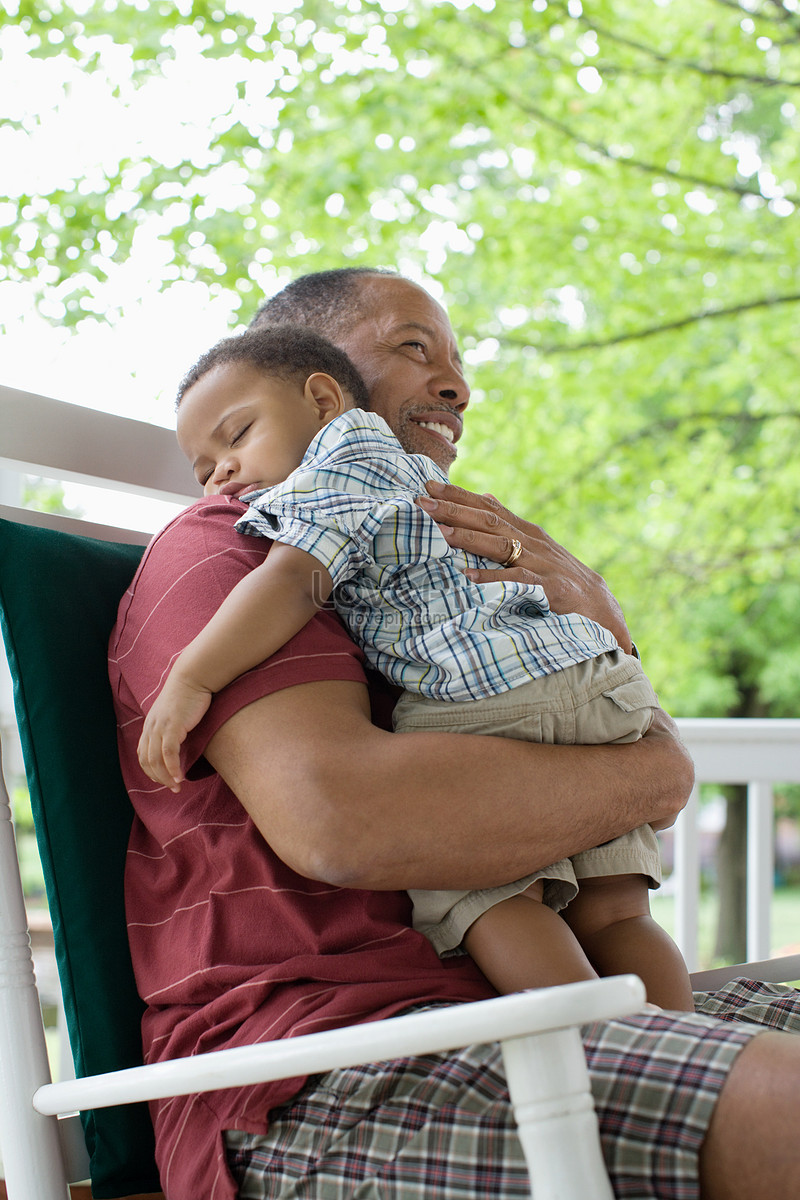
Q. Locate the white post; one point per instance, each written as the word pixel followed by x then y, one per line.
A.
pixel 11 494
pixel 760 870
pixel 687 880
pixel 550 1093
pixel 32 1161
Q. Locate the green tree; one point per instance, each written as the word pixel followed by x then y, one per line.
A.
pixel 45 496
pixel 604 192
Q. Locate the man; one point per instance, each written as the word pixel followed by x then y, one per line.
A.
pixel 268 898
pixel 402 343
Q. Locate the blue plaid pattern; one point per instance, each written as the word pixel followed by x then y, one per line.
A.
pixel 398 585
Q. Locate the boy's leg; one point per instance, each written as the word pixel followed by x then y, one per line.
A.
pixel 610 917
pixel 521 943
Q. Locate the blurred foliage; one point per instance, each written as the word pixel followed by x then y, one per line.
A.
pixel 27 850
pixel 604 193
pixel 44 495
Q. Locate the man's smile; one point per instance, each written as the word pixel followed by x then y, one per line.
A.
pixel 443 430
pixel 446 424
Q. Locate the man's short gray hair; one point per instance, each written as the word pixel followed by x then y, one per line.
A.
pixel 329 302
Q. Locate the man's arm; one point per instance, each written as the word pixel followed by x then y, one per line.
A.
pixel 481 525
pixel 344 802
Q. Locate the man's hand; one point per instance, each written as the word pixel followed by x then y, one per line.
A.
pixel 177 709
pixel 481 525
pixel 664 728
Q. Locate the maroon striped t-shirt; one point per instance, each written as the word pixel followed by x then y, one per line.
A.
pixel 229 945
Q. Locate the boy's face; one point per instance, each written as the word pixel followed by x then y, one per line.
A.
pixel 243 430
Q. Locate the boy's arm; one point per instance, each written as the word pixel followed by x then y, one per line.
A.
pixel 287 588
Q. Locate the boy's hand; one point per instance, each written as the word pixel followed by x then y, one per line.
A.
pixel 179 707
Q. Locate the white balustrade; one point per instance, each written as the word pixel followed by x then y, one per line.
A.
pixel 759 753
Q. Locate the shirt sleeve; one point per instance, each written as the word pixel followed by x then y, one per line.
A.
pixel 186 572
pixel 333 525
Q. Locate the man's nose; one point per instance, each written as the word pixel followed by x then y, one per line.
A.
pixel 451 386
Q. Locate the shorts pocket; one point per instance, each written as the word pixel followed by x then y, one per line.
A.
pixel 634 695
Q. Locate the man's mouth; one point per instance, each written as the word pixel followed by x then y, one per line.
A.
pixel 443 430
pixel 441 421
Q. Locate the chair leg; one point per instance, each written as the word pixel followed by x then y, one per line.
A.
pixel 549 1086
pixel 32 1162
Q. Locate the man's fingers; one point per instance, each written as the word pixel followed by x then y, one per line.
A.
pixel 462 515
pixel 467 510
pixel 499 547
pixel 512 575
pixel 450 493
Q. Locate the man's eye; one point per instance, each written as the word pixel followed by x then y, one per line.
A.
pixel 416 345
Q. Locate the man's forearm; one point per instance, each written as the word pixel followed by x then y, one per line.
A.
pixel 344 802
pixel 476 815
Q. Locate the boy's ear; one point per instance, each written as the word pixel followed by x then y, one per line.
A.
pixel 324 392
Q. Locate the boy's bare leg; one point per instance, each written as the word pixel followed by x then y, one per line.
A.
pixel 521 943
pixel 751 1150
pixel 610 917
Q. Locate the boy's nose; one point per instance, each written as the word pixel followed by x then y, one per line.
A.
pixel 224 470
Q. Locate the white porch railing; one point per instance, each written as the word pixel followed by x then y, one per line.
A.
pixel 759 753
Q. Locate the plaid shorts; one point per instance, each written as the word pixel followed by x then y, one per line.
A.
pixel 439 1127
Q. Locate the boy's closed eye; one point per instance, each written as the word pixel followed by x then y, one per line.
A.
pixel 238 436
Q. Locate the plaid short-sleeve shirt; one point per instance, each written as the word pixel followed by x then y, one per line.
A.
pixel 398 585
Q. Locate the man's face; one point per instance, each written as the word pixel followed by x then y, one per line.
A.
pixel 407 355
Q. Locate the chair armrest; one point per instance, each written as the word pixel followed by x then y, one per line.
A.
pixel 770 970
pixel 425 1032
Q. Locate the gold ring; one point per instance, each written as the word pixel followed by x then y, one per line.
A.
pixel 516 551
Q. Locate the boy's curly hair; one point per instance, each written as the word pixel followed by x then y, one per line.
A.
pixel 284 352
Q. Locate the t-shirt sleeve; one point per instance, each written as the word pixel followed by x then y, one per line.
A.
pixel 187 571
pixel 337 549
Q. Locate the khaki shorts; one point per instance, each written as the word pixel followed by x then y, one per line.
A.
pixel 605 700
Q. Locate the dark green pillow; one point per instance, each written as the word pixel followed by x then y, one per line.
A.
pixel 58 602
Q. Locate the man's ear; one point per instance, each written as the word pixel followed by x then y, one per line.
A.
pixel 325 394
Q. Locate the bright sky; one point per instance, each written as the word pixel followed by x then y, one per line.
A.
pixel 73 132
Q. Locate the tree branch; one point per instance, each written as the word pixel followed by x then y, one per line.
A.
pixel 656 430
pixel 686 64
pixel 531 110
pixel 699 570
pixel 633 335
pixel 785 15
